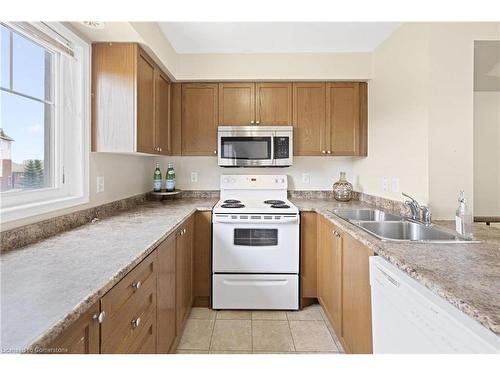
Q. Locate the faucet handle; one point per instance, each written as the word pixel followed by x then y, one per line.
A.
pixel 426 215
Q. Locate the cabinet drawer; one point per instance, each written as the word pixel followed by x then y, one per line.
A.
pixel 133 299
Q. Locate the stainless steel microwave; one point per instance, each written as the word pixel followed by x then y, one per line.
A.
pixel 255 146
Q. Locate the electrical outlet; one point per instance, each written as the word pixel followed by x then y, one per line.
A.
pixel 100 184
pixel 385 183
pixel 395 184
pixel 194 176
pixel 306 179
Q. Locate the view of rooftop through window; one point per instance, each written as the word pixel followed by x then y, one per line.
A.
pixel 26 113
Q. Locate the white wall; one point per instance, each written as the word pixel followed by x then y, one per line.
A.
pixel 397 116
pixel 420 118
pixel 487 153
pixel 451 111
pixel 323 171
pixel 274 66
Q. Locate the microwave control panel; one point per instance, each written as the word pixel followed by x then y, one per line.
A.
pixel 281 147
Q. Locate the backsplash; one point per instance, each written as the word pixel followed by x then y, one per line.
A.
pixel 28 234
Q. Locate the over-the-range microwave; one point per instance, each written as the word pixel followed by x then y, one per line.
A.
pixel 255 146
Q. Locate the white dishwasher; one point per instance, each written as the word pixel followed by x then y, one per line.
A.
pixel 409 318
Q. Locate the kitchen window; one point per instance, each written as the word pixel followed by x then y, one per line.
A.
pixel 44 95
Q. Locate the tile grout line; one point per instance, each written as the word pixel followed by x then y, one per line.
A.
pixel 212 333
pixel 291 335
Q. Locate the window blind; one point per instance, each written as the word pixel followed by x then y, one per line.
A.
pixel 43 34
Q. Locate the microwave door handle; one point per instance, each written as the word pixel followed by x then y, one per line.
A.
pixel 272 150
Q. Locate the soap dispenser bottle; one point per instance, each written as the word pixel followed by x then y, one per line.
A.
pixel 463 217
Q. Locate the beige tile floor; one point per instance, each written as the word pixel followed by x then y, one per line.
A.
pixel 259 332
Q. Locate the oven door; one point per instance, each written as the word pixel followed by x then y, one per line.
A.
pixel 237 149
pixel 259 244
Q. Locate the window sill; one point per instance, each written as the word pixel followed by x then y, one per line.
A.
pixel 40 208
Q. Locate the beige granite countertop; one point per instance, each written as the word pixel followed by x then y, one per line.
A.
pixel 47 285
pixel 466 275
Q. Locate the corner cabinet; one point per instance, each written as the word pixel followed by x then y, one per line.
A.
pixel 130 101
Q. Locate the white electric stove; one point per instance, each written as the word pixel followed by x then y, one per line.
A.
pixel 255 252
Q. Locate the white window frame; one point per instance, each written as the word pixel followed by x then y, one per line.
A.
pixel 70 145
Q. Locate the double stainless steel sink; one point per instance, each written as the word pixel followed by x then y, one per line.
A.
pixel 390 227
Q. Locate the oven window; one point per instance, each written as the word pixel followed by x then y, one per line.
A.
pixel 249 148
pixel 256 237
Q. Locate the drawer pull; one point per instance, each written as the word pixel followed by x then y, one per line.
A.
pixel 135 322
pixel 136 285
pixel 99 317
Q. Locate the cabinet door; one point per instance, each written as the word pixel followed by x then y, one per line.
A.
pixel 162 114
pixel 199 119
pixel 356 297
pixel 309 119
pixel 81 337
pixel 342 118
pixel 145 104
pixel 330 273
pixel 175 118
pixel 308 254
pixel 273 103
pixel 184 288
pixel 202 265
pixel 166 294
pixel 236 103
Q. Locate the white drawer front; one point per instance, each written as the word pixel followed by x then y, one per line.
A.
pixel 269 292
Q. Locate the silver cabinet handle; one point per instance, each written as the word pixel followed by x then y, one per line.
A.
pixel 136 285
pixel 184 231
pixel 99 317
pixel 328 152
pixel 159 149
pixel 323 151
pixel 252 122
pixel 257 122
pixel 215 152
pixel 135 322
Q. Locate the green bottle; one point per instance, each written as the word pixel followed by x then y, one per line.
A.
pixel 170 178
pixel 157 179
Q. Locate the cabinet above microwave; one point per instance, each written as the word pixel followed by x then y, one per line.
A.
pixel 255 146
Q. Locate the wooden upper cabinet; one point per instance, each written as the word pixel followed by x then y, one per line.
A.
pixel 344 116
pixel 273 103
pixel 130 103
pixel 309 118
pixel 81 337
pixel 356 297
pixel 145 104
pixel 162 114
pixel 199 118
pixel 236 103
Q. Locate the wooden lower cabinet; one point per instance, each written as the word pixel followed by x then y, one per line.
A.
pixel 81 337
pixel 202 258
pixel 343 283
pixel 166 284
pixel 129 325
pixel 184 273
pixel 330 272
pixel 308 257
pixel 356 297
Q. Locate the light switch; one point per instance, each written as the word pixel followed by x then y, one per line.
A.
pixel 100 184
pixel 395 184
pixel 385 183
pixel 194 176
pixel 306 178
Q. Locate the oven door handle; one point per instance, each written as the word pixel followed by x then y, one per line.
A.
pixel 256 221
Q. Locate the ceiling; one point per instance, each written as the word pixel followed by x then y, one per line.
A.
pixel 276 37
